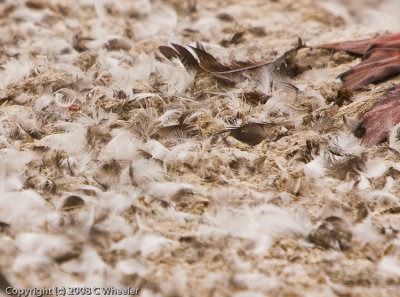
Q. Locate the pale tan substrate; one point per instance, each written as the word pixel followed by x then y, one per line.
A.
pixel 201 216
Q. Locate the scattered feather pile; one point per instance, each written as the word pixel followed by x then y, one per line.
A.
pixel 179 170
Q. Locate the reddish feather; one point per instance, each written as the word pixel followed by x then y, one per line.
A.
pixel 377 123
pixel 368 72
pixel 360 47
pixel 376 54
pixel 381 60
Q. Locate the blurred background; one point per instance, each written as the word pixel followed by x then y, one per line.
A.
pixel 374 15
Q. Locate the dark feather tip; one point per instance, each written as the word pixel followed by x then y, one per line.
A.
pixel 168 52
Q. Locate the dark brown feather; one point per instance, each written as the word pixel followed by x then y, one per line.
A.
pixel 168 52
pixel 72 202
pixel 186 57
pixel 237 37
pixel 347 167
pixel 237 70
pixel 208 62
pixel 332 232
pixel 178 131
pixel 250 133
